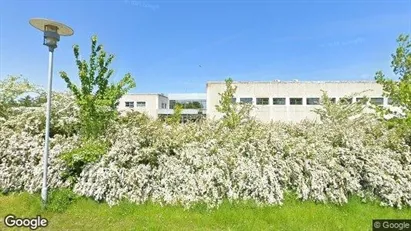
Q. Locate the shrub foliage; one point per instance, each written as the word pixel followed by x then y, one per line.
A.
pixel 348 152
pixel 192 163
pixel 96 97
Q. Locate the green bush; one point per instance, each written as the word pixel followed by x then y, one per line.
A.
pixel 60 200
pixel 89 152
pixel 133 118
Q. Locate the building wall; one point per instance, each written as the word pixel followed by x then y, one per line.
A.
pixel 152 103
pixel 162 102
pixel 288 90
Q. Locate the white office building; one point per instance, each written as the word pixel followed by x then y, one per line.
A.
pixel 160 105
pixel 291 100
pixel 148 103
pixel 276 100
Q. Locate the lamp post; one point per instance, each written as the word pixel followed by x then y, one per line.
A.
pixel 52 32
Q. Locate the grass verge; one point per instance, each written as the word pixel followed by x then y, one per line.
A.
pixel 86 214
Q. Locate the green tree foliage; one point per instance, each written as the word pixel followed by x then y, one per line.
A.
pixel 233 113
pixel 192 105
pixel 29 101
pixel 175 118
pixel 342 111
pixel 11 89
pixel 399 90
pixel 90 151
pixel 95 96
pixel 186 105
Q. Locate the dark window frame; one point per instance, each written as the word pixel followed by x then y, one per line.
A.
pixel 248 98
pixel 127 104
pixel 312 98
pixel 283 101
pixel 346 100
pixel 263 101
pixel 138 104
pixel 294 99
pixel 377 98
pixel 359 99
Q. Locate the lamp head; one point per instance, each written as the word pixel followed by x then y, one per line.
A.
pixel 52 31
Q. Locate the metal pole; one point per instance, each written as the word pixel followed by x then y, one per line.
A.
pixel 46 146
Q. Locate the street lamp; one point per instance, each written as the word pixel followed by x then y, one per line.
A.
pixel 52 31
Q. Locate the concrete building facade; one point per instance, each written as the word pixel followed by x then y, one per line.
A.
pixel 290 101
pixel 160 105
pixel 144 103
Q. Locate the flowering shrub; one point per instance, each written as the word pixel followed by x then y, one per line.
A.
pixel 11 89
pixel 205 162
pixel 255 161
pixel 21 160
pixel 64 117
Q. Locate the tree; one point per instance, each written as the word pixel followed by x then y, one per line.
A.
pixel 175 118
pixel 399 91
pixel 233 113
pixel 95 96
pixel 29 101
pixel 10 90
pixel 193 105
pixel 343 111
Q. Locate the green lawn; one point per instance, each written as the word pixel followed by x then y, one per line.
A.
pixel 85 214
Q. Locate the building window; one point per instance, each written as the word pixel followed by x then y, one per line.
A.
pixel 233 100
pixel 129 104
pixel 313 101
pixel 246 100
pixel 361 100
pixel 262 101
pixel 377 101
pixel 278 101
pixel 203 103
pixel 333 100
pixel 172 104
pixel 188 104
pixel 165 105
pixel 346 100
pixel 296 101
pixel 390 101
pixel 141 104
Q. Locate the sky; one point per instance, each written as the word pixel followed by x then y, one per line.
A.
pixel 177 46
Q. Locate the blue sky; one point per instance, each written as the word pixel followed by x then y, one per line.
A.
pixel 177 46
